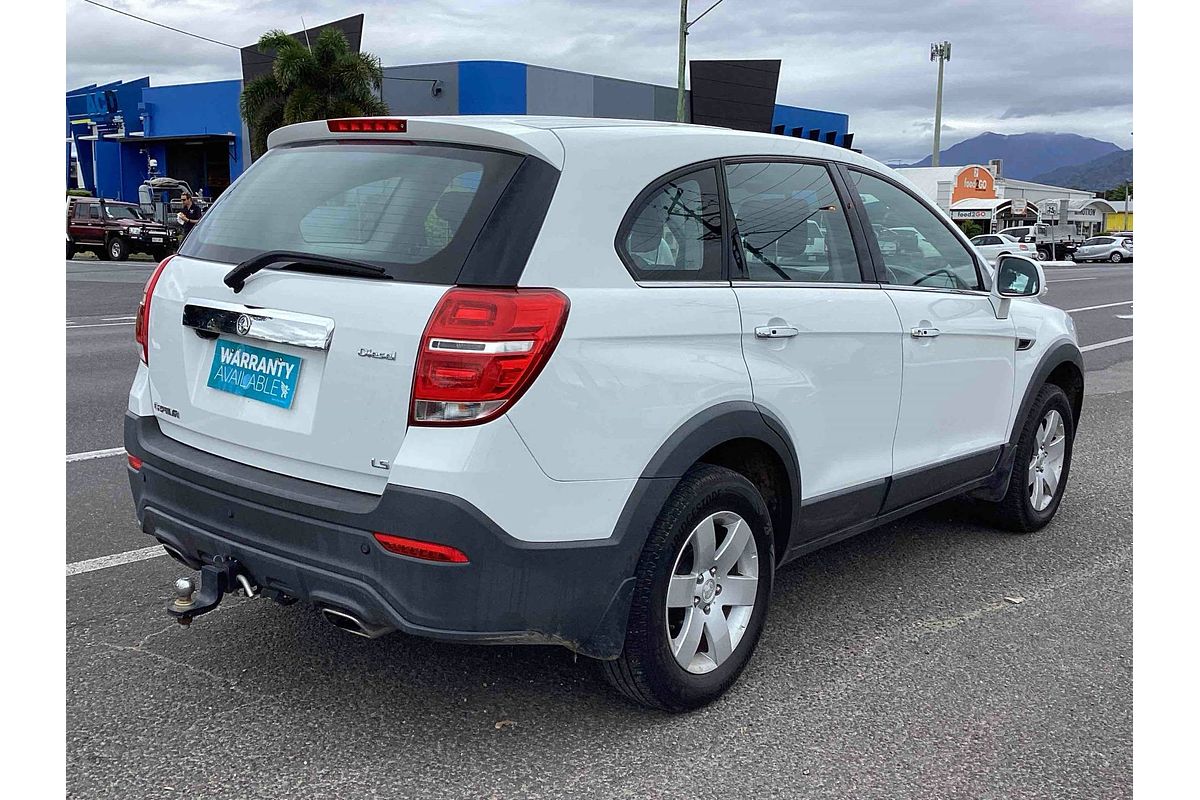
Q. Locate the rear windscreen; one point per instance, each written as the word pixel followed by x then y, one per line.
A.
pixel 413 209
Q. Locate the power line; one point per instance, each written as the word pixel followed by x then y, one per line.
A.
pixel 433 81
pixel 161 25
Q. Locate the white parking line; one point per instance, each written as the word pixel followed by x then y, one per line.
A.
pixel 1109 343
pixel 71 326
pixel 115 319
pixel 1066 280
pixel 1106 305
pixel 115 560
pixel 88 456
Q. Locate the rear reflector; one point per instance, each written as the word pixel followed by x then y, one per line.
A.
pixel 415 548
pixel 135 463
pixel 481 350
pixel 368 125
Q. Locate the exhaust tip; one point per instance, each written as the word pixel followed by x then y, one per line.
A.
pixel 347 622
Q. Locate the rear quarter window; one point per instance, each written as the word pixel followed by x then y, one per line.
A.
pixel 413 209
pixel 673 230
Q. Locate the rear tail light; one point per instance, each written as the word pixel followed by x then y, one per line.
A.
pixel 368 125
pixel 1024 246
pixel 415 548
pixel 481 350
pixel 135 463
pixel 141 325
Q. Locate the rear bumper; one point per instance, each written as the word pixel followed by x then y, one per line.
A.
pixel 314 542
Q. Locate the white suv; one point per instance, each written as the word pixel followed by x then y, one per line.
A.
pixel 577 381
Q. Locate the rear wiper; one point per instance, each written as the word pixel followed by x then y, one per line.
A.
pixel 290 259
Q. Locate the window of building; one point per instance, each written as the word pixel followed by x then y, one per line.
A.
pixel 790 223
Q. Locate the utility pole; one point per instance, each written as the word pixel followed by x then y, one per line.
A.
pixel 939 52
pixel 1128 184
pixel 683 26
pixel 680 116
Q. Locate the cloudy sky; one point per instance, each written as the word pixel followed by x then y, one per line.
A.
pixel 1064 66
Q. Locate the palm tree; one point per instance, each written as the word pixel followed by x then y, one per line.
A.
pixel 324 81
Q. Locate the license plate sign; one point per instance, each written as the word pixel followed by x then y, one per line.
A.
pixel 263 375
pixel 156 239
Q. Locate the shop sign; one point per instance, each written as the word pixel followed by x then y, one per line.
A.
pixel 970 213
pixel 973 182
pixel 1019 206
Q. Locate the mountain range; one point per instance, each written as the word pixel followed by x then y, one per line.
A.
pixel 1026 156
pixel 1097 175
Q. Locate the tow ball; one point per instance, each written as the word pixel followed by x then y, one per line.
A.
pixel 217 579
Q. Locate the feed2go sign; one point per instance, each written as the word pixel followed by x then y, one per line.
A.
pixel 973 182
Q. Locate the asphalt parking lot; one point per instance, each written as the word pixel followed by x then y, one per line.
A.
pixel 930 658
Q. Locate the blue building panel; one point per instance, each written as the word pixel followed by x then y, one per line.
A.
pixel 810 119
pixel 193 108
pixel 491 87
pixel 107 169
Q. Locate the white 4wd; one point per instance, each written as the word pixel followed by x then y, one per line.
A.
pixel 577 381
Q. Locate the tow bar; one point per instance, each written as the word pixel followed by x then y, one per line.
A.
pixel 217 579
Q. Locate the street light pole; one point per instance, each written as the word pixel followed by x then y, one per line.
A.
pixel 683 26
pixel 939 52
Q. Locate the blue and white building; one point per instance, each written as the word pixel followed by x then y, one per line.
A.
pixel 194 131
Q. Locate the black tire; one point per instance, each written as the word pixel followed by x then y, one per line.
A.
pixel 1116 258
pixel 646 671
pixel 1016 512
pixel 70 250
pixel 117 249
pixel 1043 254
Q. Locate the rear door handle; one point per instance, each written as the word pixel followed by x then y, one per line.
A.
pixel 925 333
pixel 775 332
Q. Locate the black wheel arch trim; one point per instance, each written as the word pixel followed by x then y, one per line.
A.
pixel 717 425
pixel 1062 353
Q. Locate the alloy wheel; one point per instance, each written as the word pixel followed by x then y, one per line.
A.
pixel 711 596
pixel 1046 465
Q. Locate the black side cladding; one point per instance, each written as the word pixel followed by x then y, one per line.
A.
pixel 503 246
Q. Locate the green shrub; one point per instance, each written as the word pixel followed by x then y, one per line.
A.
pixel 78 193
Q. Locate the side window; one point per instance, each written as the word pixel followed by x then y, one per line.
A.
pixel 790 223
pixel 917 246
pixel 674 234
pixel 93 211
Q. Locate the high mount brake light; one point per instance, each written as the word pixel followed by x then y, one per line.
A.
pixel 368 125
pixel 481 350
pixel 141 325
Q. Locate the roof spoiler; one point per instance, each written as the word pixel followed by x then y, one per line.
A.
pixel 492 133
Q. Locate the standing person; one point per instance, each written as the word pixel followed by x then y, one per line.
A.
pixel 189 215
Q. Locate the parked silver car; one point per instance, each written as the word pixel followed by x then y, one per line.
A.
pixel 1106 248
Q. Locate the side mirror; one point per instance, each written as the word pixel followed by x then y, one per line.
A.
pixel 1016 276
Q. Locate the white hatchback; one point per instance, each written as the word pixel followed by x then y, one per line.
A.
pixel 577 381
